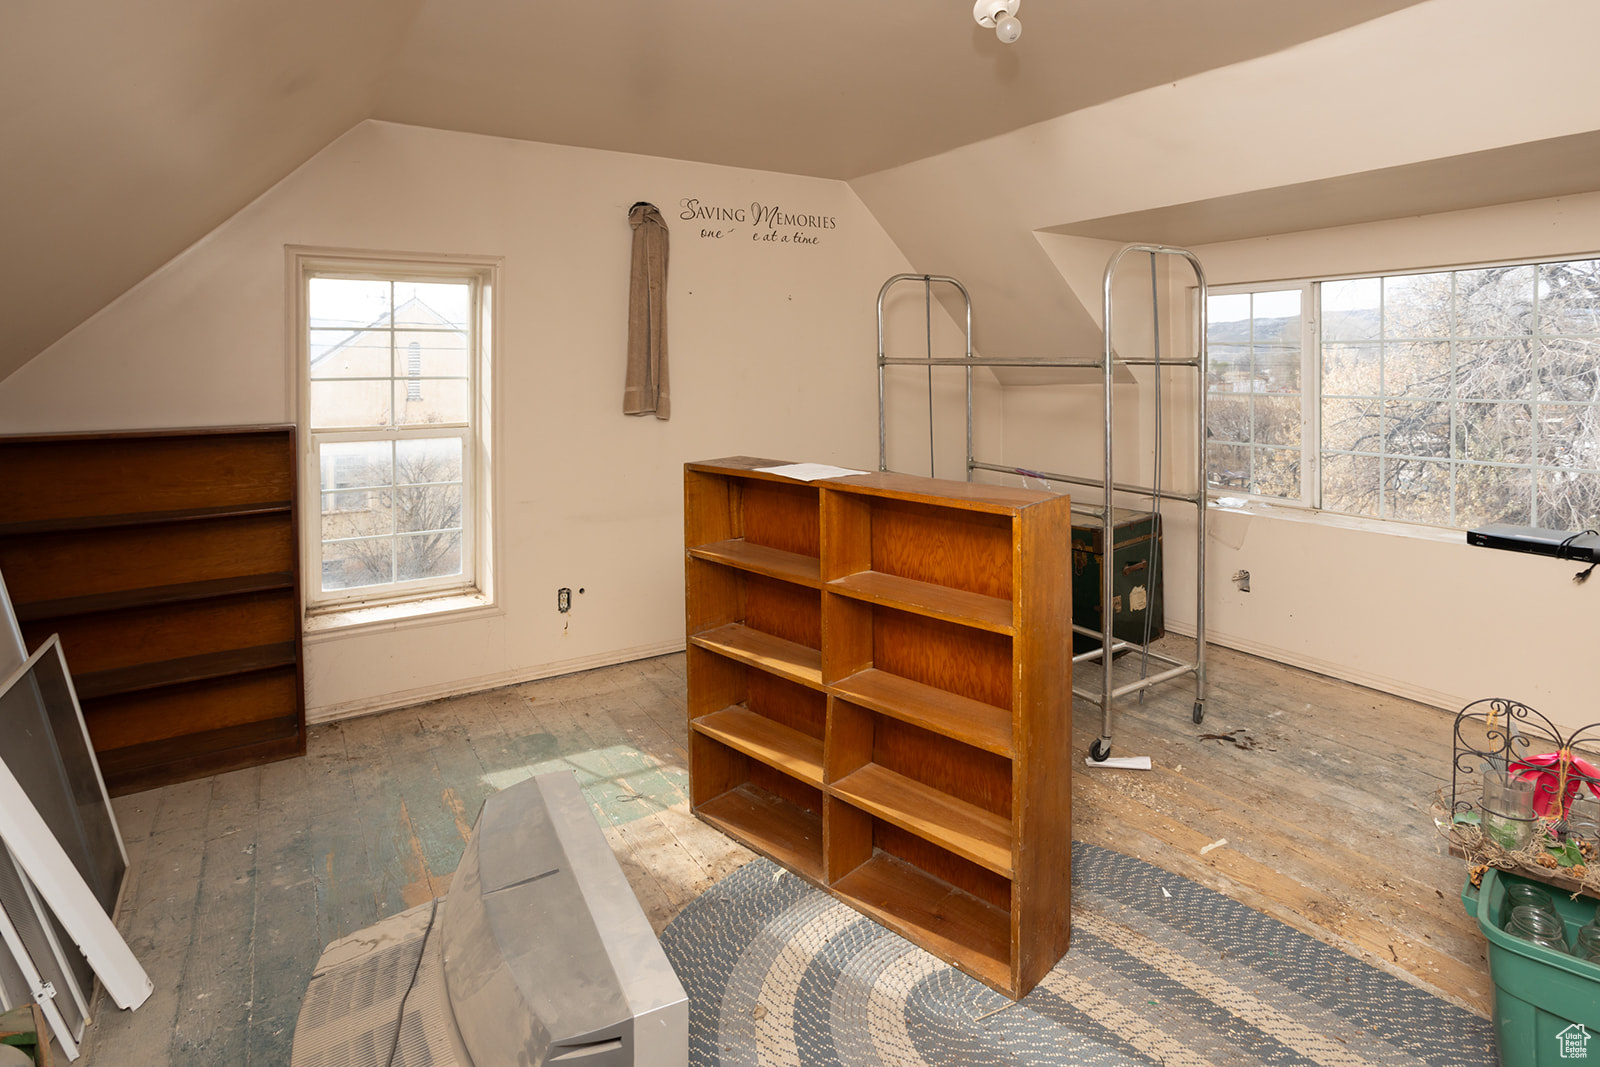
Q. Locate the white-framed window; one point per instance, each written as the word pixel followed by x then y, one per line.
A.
pixel 393 356
pixel 1260 427
pixel 1451 398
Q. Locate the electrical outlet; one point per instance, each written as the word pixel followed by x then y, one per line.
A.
pixel 563 600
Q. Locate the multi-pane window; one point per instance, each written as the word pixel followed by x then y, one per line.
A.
pixel 392 366
pixel 1255 379
pixel 1453 398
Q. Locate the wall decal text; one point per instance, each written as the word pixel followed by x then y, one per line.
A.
pixel 764 223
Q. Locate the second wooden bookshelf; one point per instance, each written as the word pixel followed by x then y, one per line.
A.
pixel 167 560
pixel 879 685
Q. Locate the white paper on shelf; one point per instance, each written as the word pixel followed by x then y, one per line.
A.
pixel 1121 763
pixel 809 472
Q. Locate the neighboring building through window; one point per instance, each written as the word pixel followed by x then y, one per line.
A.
pixel 393 384
pixel 1452 398
pixel 413 372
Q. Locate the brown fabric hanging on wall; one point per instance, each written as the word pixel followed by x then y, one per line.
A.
pixel 645 390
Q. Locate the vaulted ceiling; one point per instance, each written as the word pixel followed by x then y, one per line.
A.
pixel 130 130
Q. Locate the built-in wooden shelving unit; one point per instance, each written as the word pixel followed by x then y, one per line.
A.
pixel 167 561
pixel 879 694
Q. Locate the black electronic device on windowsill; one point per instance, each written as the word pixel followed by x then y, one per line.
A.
pixel 1562 544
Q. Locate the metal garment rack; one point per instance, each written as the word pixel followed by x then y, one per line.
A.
pixel 1168 667
pixel 927 281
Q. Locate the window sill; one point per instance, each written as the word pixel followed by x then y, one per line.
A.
pixel 338 621
pixel 1334 520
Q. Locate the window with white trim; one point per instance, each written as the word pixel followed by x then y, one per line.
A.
pixel 393 357
pixel 1451 398
pixel 1257 344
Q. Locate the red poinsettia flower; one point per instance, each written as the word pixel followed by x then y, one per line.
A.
pixel 1557 774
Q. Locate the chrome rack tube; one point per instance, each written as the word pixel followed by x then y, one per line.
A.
pixel 979 361
pixel 1108 484
pixel 1101 748
pixel 1074 479
pixel 927 281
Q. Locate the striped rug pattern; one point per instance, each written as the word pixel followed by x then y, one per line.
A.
pixel 1161 971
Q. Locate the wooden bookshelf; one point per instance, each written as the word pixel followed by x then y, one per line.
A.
pixel 879 686
pixel 169 564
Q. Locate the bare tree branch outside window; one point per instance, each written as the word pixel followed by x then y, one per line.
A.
pixel 1455 398
pixel 391 409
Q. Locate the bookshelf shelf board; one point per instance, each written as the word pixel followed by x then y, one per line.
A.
pixel 773 743
pixel 760 559
pixel 141 518
pixel 925 598
pixel 770 825
pixel 955 926
pixel 188 669
pixel 786 659
pixel 178 593
pixel 965 829
pixel 969 721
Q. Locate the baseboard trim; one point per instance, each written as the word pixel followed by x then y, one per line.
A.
pixel 351 709
pixel 405 698
pixel 1342 671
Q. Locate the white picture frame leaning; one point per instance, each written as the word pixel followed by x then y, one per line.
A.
pixel 55 876
pixel 13 653
pixel 55 763
pixel 67 1033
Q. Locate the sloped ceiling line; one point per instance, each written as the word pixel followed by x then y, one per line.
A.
pixel 132 130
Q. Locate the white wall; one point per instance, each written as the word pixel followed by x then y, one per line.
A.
pixel 1061 427
pixel 1440 78
pixel 927 320
pixel 1420 612
pixel 1408 610
pixel 772 345
pixel 771 351
pixel 1417 613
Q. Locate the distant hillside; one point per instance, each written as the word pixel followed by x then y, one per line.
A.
pixel 1336 324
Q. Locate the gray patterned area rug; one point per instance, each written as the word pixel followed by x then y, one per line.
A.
pixel 1161 971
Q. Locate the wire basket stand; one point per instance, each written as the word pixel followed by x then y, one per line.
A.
pixel 1525 795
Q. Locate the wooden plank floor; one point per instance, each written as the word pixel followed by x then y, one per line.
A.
pixel 238 881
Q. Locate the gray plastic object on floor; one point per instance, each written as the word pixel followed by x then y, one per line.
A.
pixel 538 954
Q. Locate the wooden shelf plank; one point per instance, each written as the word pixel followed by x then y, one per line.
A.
pixel 963 496
pixel 178 671
pixel 760 559
pixel 786 659
pixel 955 926
pixel 773 743
pixel 160 594
pixel 142 518
pixel 971 722
pixel 139 767
pixel 925 598
pixel 964 829
pixel 770 825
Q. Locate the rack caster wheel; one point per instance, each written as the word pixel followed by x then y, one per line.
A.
pixel 1199 712
pixel 1099 754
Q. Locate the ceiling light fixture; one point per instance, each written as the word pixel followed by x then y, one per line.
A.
pixel 1000 16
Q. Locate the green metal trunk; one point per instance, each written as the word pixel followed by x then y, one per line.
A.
pixel 1135 577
